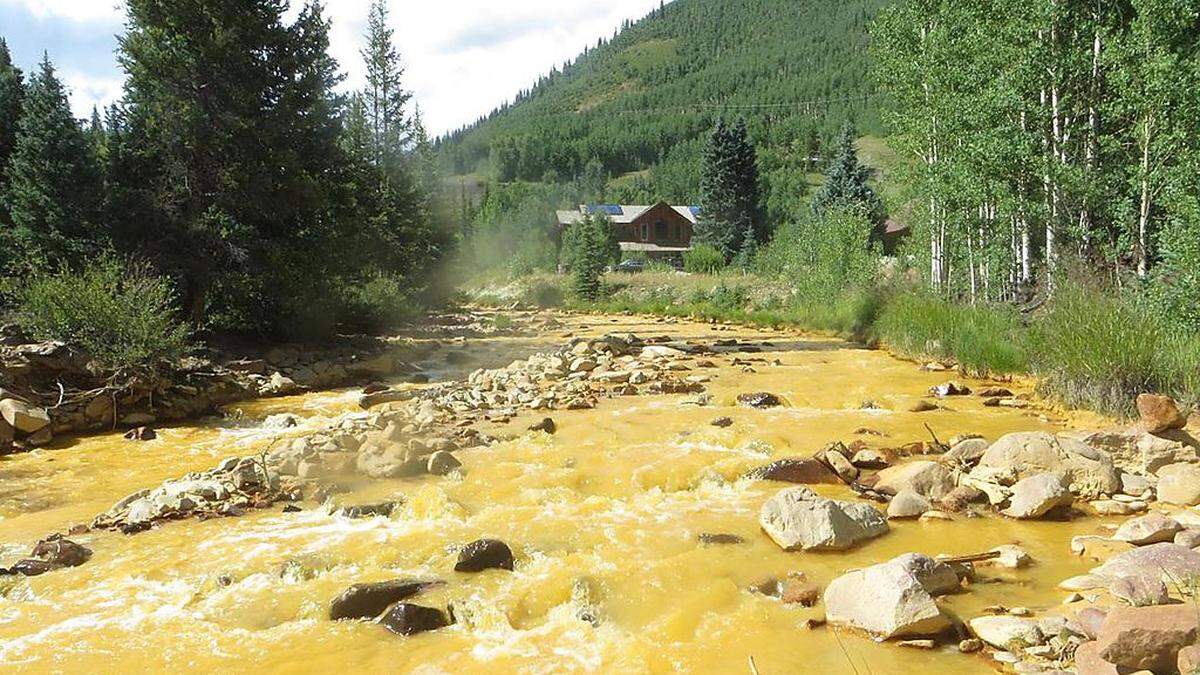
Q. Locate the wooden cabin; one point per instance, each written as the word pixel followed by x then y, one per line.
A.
pixel 659 231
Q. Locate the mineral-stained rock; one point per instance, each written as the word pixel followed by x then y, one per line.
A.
pixel 1153 528
pixel 1147 637
pixel 367 601
pixel 547 425
pixel 1089 472
pixel 798 518
pixel 806 471
pixel 1179 484
pixel 967 452
pixel 484 554
pixel 907 504
pixel 1037 495
pixel 383 509
pixel 723 422
pixel 1159 413
pixel 23 417
pixel 760 400
pixel 409 619
pixel 887 600
pixel 1169 562
pixel 929 479
pixel 718 538
pixel 1007 632
pixel 1140 591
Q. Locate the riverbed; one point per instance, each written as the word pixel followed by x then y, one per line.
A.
pixel 603 518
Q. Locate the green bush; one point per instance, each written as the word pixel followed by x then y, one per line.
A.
pixel 119 313
pixel 545 294
pixel 378 304
pixel 704 259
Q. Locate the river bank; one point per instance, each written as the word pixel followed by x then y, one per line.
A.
pixel 637 527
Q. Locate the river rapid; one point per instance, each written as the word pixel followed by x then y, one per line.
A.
pixel 603 518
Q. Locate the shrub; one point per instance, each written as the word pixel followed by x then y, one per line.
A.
pixel 545 294
pixel 379 303
pixel 118 312
pixel 983 339
pixel 704 259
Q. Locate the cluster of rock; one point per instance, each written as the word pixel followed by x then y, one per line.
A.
pixel 572 378
pixel 386 602
pixel 50 554
pixel 49 389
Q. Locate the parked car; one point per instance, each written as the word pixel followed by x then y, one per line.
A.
pixel 630 266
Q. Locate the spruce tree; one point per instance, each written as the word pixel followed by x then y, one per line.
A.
pixel 385 94
pixel 846 185
pixel 51 191
pixel 717 224
pixel 12 91
pixel 751 227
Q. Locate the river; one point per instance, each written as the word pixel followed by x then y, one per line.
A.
pixel 604 515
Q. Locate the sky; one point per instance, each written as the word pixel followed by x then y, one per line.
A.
pixel 463 57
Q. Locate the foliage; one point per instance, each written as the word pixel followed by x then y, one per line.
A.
pixel 595 230
pixel 846 185
pixel 822 256
pixel 12 94
pixel 730 204
pixel 704 259
pixel 120 313
pixel 983 339
pixel 52 188
pixel 592 246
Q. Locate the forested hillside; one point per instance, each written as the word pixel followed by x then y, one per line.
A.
pixel 649 97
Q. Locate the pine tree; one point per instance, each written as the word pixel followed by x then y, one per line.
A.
pixel 718 189
pixel 385 95
pixel 751 224
pixel 51 192
pixel 12 91
pixel 846 184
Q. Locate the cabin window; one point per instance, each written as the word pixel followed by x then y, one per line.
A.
pixel 645 232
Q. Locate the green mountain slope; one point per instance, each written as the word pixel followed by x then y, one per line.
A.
pixel 795 69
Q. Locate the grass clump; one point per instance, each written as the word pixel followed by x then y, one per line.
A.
pixel 119 313
pixel 982 338
pixel 1100 351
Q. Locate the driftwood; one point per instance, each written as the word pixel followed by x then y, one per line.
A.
pixel 971 558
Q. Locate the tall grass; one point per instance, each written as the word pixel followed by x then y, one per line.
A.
pixel 1100 351
pixel 982 339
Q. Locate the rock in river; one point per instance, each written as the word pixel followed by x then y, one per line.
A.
pixel 800 519
pixel 1153 528
pixel 1169 562
pixel 408 619
pixel 367 601
pixel 23 417
pixel 807 471
pixel 928 479
pixel 888 600
pixel 760 400
pixel 1088 471
pixel 1037 495
pixel 484 554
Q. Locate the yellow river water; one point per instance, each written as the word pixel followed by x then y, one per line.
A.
pixel 613 503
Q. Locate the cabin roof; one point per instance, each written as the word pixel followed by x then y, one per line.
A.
pixel 621 214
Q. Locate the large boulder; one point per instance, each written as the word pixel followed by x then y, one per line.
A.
pixel 1089 471
pixel 23 417
pixel 887 600
pixel 1148 638
pixel 367 601
pixel 807 471
pixel 1159 413
pixel 1169 562
pixel 1141 452
pixel 1153 528
pixel 800 519
pixel 928 479
pixel 1179 484
pixel 1038 495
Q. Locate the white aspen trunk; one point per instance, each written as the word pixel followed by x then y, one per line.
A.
pixel 1144 206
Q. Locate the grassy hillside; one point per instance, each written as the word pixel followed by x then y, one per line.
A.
pixel 644 100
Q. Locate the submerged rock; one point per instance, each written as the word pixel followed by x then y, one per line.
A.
pixel 800 519
pixel 408 619
pixel 708 538
pixel 547 425
pixel 807 471
pixel 384 509
pixel 760 400
pixel 484 554
pixel 368 601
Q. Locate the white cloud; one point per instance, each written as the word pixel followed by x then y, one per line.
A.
pixel 75 10
pixel 88 91
pixel 463 57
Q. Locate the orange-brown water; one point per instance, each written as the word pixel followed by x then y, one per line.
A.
pixel 605 513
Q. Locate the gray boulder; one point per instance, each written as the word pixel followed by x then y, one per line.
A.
pixel 1169 562
pixel 1037 495
pixel 1153 528
pixel 887 600
pixel 928 479
pixel 800 519
pixel 1088 471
